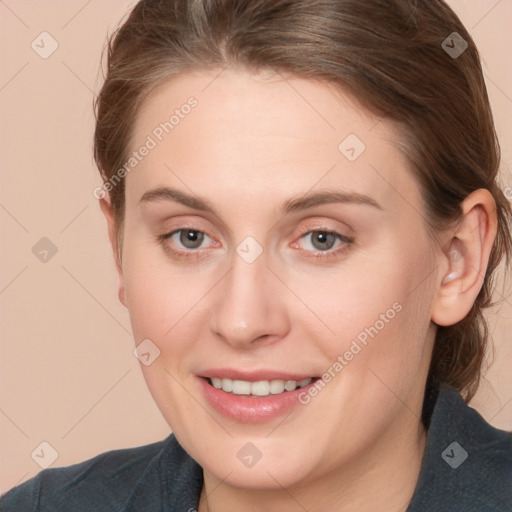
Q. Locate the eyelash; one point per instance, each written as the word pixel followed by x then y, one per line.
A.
pixel 195 253
pixel 346 243
pixel 184 254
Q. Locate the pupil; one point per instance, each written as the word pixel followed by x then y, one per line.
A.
pixel 324 240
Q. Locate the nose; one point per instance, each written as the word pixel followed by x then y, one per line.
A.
pixel 250 306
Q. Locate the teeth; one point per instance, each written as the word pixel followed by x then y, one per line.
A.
pixel 276 386
pixel 241 387
pixel 290 385
pixel 259 388
pixel 227 385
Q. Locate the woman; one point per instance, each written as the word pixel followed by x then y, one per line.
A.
pixel 303 205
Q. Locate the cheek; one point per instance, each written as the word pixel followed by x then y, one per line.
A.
pixel 162 299
pixel 165 307
pixel 396 328
pixel 377 312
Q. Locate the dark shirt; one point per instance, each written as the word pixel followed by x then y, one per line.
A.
pixel 467 467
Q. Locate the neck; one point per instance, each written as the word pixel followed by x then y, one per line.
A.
pixel 382 478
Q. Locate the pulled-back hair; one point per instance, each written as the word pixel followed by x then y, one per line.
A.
pixel 389 54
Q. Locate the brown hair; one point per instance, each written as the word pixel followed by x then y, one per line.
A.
pixel 388 53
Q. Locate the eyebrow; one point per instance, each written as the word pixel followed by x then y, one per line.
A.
pixel 177 196
pixel 309 200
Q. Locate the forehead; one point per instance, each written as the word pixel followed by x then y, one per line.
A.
pixel 261 133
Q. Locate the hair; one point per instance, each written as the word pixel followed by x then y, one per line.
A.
pixel 388 54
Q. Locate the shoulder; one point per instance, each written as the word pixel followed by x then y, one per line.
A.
pixel 467 464
pixel 103 482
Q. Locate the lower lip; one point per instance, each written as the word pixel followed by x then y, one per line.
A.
pixel 251 410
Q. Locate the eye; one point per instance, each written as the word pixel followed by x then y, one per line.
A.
pixel 321 240
pixel 189 238
pixel 184 242
pixel 324 241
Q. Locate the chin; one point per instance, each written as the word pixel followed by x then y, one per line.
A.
pixel 257 464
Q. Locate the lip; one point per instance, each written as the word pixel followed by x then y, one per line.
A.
pixel 244 409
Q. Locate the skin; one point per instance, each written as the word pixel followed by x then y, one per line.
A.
pixel 254 142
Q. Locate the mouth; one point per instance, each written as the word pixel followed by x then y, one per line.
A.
pixel 260 388
pixel 255 397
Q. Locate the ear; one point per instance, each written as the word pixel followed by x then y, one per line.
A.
pixel 464 259
pixel 108 212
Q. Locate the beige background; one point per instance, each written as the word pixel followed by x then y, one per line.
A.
pixel 68 374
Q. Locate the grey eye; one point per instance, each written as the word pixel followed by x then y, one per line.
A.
pixel 190 238
pixel 321 240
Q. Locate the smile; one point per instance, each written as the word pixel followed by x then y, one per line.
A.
pixel 253 397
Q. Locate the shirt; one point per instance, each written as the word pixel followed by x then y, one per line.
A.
pixel 466 467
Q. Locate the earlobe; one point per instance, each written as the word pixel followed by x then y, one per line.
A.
pixel 108 212
pixel 465 258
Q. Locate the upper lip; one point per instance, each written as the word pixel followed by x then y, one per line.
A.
pixel 253 375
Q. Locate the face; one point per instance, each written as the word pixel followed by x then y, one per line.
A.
pixel 265 248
